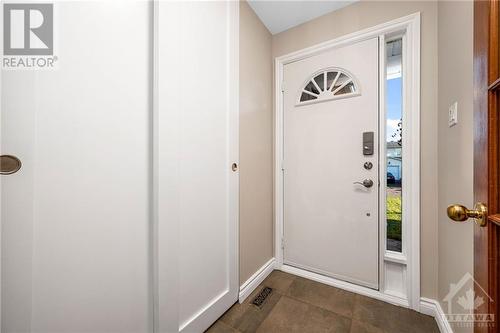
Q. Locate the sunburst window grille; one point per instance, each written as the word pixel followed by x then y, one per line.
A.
pixel 329 84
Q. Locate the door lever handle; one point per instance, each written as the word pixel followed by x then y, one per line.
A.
pixel 366 183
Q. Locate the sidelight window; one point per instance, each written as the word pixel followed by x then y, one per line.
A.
pixel 394 145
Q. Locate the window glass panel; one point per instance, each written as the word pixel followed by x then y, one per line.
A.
pixel 306 97
pixel 312 88
pixel 342 79
pixel 394 146
pixel 347 89
pixel 330 76
pixel 320 81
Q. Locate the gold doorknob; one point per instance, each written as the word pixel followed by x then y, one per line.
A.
pixel 460 213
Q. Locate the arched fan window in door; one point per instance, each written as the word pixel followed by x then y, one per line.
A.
pixel 329 84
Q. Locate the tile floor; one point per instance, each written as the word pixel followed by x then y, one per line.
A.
pixel 301 305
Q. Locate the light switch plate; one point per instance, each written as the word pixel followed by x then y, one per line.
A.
pixel 453 114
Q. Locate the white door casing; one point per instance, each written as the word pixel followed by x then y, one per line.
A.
pixel 76 217
pixel 330 224
pixel 197 100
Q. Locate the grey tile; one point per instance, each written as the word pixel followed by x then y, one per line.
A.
pixel 235 314
pixel 291 315
pixel 360 327
pixel 326 297
pixel 377 313
pixel 374 312
pixel 220 327
pixel 247 317
pixel 391 318
pixel 423 323
pixel 279 281
pixel 309 306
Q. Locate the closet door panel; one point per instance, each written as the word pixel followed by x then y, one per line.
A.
pixel 198 143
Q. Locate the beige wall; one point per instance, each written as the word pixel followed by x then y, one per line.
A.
pixel 442 242
pixel 455 25
pixel 256 142
pixel 366 14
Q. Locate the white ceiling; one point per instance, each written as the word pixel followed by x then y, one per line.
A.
pixel 279 16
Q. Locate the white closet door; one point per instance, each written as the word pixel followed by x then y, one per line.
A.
pixel 75 219
pixel 198 142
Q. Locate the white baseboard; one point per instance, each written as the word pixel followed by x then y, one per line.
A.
pixel 433 308
pixel 253 282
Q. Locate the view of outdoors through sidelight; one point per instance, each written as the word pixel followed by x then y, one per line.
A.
pixel 394 144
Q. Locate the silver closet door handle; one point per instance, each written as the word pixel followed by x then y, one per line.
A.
pixel 366 183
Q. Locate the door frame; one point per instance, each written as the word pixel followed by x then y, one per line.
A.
pixel 409 260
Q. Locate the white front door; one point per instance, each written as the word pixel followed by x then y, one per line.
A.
pixel 330 132
pixel 76 218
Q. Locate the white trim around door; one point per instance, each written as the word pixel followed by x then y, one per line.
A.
pixel 399 273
